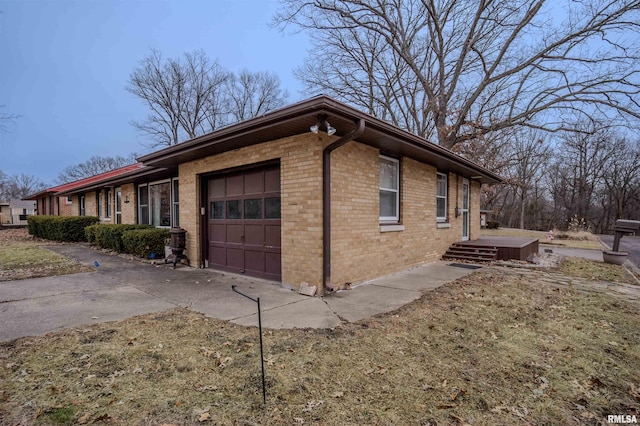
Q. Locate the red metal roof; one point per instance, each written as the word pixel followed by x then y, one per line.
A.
pixel 86 181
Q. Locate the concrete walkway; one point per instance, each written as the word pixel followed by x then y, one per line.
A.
pixel 120 288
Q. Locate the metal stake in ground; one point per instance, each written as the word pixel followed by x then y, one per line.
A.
pixel 257 300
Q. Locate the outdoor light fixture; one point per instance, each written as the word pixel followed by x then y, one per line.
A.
pixel 126 199
pixel 322 122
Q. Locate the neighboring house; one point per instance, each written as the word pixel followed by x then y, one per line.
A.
pixel 315 192
pixel 15 212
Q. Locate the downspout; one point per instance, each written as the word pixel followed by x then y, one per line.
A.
pixel 326 201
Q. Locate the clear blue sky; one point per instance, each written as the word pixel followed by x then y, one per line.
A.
pixel 64 65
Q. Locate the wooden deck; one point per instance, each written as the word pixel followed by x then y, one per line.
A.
pixel 518 248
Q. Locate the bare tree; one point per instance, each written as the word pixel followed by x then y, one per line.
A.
pixel 190 96
pixel 6 118
pixel 453 70
pixel 94 166
pixel 180 93
pixel 18 186
pixel 622 182
pixel 251 94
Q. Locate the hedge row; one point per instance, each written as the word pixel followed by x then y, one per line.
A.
pixel 110 236
pixel 147 243
pixel 57 228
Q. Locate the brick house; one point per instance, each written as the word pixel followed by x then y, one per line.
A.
pixel 315 192
pixel 357 199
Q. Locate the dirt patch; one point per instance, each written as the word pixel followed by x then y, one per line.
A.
pixel 492 348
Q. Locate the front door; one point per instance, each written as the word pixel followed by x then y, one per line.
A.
pixel 244 223
pixel 465 210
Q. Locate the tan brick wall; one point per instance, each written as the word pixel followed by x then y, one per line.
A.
pixel 301 193
pixel 129 210
pixel 90 203
pixel 360 251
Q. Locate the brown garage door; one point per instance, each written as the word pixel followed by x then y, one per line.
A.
pixel 244 223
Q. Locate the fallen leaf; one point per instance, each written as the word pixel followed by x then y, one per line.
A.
pixel 338 394
pixel 204 417
pixel 84 419
pixel 298 420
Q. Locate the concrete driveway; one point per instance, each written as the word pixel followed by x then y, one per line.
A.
pixel 121 288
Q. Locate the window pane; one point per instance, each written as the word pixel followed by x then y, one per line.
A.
pixel 144 195
pixel 442 185
pixel 465 196
pixel 176 192
pixel 144 215
pixel 216 210
pixel 441 207
pixel 234 209
pixel 388 204
pixel 160 203
pixel 176 215
pixel 253 208
pixel 388 174
pixel 272 208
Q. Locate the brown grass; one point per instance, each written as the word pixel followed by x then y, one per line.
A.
pixel 22 256
pixel 595 271
pixel 489 349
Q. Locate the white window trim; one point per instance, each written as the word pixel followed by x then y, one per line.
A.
pixel 174 203
pixel 148 185
pixel 442 219
pixel 108 204
pixel 392 219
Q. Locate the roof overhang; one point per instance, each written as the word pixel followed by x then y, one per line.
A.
pixel 297 118
pixel 144 174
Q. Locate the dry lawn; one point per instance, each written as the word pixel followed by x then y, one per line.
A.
pixel 489 349
pixel 595 271
pixel 584 240
pixel 22 256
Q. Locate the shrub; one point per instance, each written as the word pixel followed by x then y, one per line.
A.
pixel 493 224
pixel 109 236
pixel 144 242
pixel 68 228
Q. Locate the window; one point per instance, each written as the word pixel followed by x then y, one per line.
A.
pixel 143 204
pixel 176 203
pixel 118 205
pixel 69 199
pixel 107 212
pixel 83 212
pixel 156 204
pixel 99 203
pixel 441 197
pixel 389 189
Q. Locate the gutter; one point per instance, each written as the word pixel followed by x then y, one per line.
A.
pixel 326 200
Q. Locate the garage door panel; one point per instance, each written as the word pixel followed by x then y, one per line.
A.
pixel 218 255
pixel 273 264
pixel 235 233
pixel 254 260
pixel 254 183
pixel 272 235
pixel 218 233
pixel 272 181
pixel 235 258
pixel 235 185
pixel 254 234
